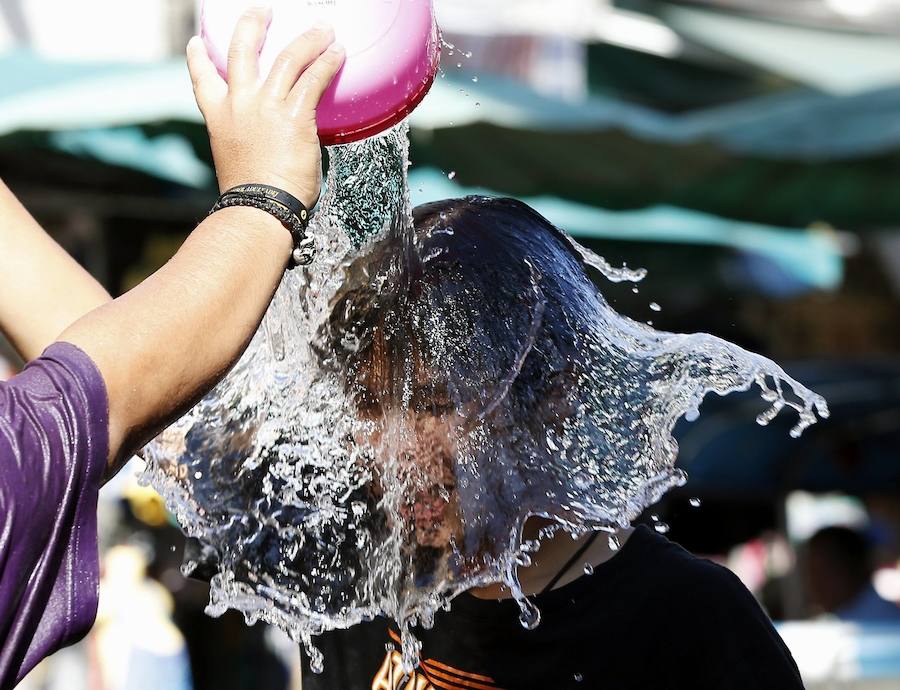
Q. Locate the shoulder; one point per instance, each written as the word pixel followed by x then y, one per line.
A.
pixel 673 565
pixel 709 591
pixel 712 613
pixel 62 372
pixel 57 409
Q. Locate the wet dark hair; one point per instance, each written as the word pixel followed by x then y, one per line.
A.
pixel 483 303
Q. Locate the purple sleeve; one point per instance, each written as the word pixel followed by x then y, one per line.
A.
pixel 54 435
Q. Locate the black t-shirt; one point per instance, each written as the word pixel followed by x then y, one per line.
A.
pixel 654 617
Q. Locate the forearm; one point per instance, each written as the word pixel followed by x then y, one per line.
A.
pixel 43 290
pixel 163 345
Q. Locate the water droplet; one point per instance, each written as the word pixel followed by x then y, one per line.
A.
pixel 475 80
pixel 614 544
pixel 578 677
pixel 655 307
pixel 695 502
pixel 452 175
pixel 198 475
pixel 459 65
pixel 654 517
pixel 530 616
pixel 662 528
pixel 635 289
pixel 588 569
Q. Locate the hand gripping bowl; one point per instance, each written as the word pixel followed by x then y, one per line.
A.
pixel 393 52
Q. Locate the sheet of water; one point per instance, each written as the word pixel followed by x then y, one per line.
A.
pixel 324 502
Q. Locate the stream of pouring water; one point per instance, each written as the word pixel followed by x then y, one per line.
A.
pixel 319 512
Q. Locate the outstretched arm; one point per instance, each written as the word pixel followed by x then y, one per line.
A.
pixel 43 290
pixel 163 345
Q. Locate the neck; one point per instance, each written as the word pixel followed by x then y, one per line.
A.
pixel 553 555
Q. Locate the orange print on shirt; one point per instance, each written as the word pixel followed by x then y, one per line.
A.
pixel 391 677
pixel 431 675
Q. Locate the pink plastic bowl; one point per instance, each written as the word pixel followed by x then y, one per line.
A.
pixel 393 52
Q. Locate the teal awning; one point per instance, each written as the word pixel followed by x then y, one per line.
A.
pixel 36 94
pixel 785 161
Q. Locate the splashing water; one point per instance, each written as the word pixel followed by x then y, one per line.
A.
pixel 382 442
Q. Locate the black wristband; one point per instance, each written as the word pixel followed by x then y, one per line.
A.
pixel 280 204
pixel 279 196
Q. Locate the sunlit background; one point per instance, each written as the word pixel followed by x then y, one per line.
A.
pixel 747 152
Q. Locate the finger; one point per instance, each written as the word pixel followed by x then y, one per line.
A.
pixel 209 87
pixel 315 80
pixel 296 58
pixel 243 54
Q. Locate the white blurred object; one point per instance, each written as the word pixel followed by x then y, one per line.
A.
pixel 579 20
pixel 134 632
pixel 837 62
pixel 854 8
pixel 887 584
pixel 565 17
pixel 823 651
pixel 844 655
pixel 101 30
pixel 808 513
pixel 554 66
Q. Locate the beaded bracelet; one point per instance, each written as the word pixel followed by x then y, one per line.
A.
pixel 278 203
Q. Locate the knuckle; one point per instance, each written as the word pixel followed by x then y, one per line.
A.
pixel 331 62
pixel 238 48
pixel 328 60
pixel 313 77
pixel 285 61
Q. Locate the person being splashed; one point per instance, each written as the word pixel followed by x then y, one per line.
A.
pixel 467 353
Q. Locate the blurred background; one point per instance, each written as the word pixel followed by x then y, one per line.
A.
pixel 746 152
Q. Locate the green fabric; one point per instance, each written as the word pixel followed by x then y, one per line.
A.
pixel 670 84
pixel 840 62
pixel 615 170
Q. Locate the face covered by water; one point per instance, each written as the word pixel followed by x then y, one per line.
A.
pixel 460 364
